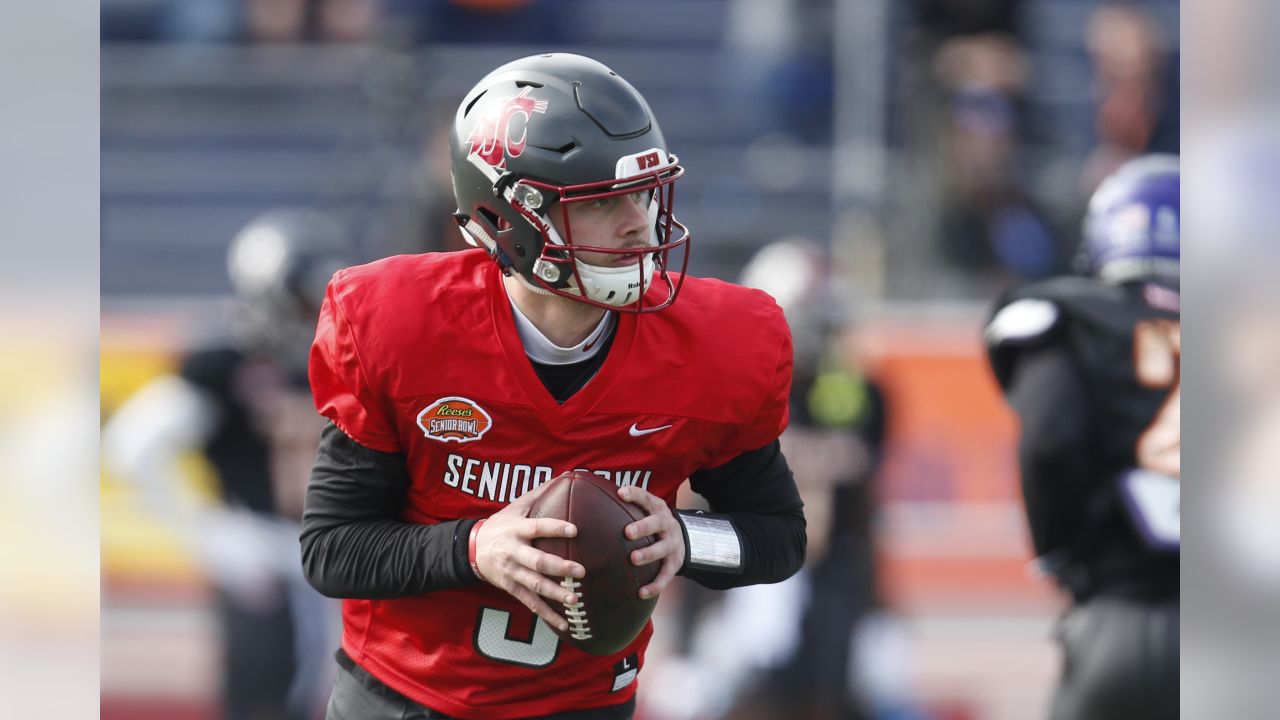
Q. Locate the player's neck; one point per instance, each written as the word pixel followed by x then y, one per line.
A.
pixel 563 321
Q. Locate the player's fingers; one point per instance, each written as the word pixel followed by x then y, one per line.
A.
pixel 546 527
pixel 549 588
pixel 659 583
pixel 539 607
pixel 669 569
pixel 649 525
pixel 641 497
pixel 547 564
pixel 529 497
pixel 653 553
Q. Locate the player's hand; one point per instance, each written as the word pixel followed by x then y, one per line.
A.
pixel 668 547
pixel 508 560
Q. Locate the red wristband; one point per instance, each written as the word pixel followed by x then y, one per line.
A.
pixel 471 549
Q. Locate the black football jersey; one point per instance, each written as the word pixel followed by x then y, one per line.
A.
pixel 237 448
pixel 833 445
pixel 1124 345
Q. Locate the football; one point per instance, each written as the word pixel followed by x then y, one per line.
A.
pixel 609 613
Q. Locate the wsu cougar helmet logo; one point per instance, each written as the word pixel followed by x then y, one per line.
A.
pixel 491 137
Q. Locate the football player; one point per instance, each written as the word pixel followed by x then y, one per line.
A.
pixel 458 384
pixel 803 666
pixel 1091 366
pixel 242 402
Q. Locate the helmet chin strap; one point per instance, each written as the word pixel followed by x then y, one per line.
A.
pixel 531 286
pixel 476 236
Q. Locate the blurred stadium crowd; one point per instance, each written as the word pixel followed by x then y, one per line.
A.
pixel 904 161
pixel 999 118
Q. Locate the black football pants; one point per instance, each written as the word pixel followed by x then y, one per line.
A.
pixel 357 695
pixel 1120 661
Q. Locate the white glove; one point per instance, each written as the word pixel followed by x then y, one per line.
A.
pixel 247 554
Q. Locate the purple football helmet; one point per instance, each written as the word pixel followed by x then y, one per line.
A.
pixel 1132 227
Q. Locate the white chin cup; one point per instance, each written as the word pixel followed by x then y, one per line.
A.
pixel 618 286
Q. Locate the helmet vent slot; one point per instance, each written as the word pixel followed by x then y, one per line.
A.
pixel 467 110
pixel 528 83
pixel 563 149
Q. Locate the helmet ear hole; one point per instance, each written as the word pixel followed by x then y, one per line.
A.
pixel 490 217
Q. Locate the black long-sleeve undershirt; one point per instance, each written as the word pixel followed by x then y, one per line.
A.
pixel 758 492
pixel 354 544
pixel 1051 400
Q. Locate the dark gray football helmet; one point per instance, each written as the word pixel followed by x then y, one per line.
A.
pixel 545 131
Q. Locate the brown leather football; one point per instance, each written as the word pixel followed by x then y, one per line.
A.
pixel 609 613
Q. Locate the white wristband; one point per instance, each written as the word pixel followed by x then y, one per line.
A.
pixel 711 542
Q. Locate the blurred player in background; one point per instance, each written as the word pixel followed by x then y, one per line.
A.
pixel 807 666
pixel 1091 366
pixel 802 656
pixel 458 384
pixel 244 404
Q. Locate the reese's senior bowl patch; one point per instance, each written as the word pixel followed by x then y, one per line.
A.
pixel 454 419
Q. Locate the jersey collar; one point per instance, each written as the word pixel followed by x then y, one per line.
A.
pixel 555 414
pixel 541 349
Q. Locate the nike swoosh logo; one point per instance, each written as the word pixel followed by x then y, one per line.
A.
pixel 637 432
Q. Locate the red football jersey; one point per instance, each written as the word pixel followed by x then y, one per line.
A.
pixel 419 355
